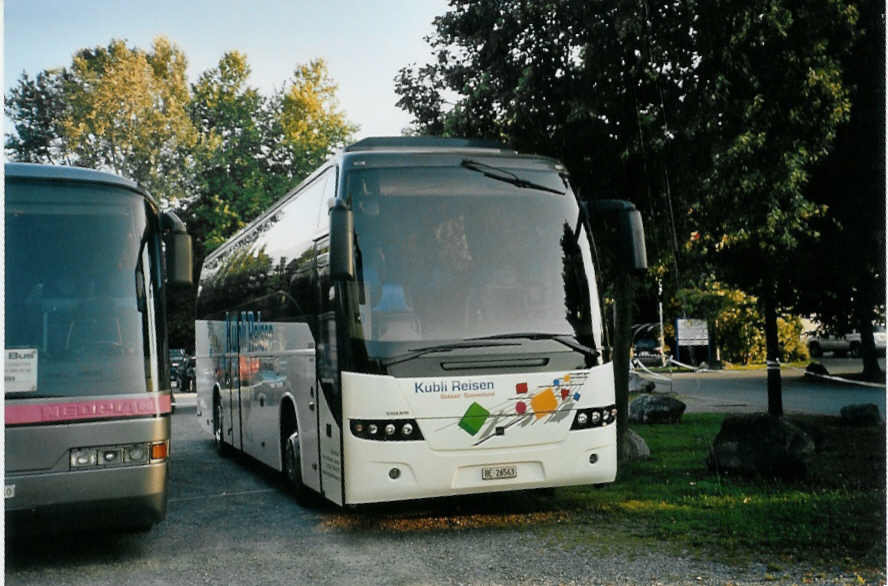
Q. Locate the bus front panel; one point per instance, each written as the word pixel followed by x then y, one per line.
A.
pixel 87 397
pixel 407 438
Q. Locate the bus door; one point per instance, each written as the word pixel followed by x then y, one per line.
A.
pixel 298 362
pixel 232 431
pixel 327 387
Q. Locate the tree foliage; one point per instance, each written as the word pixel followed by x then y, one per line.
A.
pixel 310 119
pixel 850 184
pixel 127 114
pixel 738 324
pixel 218 151
pixel 37 107
pixel 230 155
pixel 708 115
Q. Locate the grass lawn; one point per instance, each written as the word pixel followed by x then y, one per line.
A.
pixel 836 517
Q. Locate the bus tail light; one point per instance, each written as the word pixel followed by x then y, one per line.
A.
pixel 386 430
pixel 594 417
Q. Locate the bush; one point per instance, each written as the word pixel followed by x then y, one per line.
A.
pixel 738 324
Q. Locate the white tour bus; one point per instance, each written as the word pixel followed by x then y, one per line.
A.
pixel 418 318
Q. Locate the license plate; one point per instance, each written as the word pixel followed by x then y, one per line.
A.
pixel 499 472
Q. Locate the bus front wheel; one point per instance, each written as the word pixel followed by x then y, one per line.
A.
pixel 293 469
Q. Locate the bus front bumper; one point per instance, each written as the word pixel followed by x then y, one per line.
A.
pixel 125 497
pixel 373 475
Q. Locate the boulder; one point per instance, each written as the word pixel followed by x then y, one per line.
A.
pixel 634 447
pixel 816 369
pixel 759 444
pixel 656 409
pixel 865 414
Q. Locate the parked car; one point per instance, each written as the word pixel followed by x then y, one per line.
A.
pixel 841 345
pixel 854 340
pixel 178 358
pixel 645 346
pixel 647 351
pixel 186 379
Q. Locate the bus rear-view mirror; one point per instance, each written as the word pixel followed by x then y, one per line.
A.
pixel 177 243
pixel 342 242
pixel 632 240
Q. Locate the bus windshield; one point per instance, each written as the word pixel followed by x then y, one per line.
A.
pixel 81 286
pixel 469 251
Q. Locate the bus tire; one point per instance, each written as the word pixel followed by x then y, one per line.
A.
pixel 293 469
pixel 222 448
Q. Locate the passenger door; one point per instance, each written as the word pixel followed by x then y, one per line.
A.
pixel 329 403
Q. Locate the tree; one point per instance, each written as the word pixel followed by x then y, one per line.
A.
pixel 309 118
pixel 714 107
pixel 585 82
pixel 845 267
pixel 127 114
pixel 230 185
pixel 770 99
pixel 37 107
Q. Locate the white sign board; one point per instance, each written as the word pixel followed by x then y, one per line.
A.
pixel 692 332
pixel 20 375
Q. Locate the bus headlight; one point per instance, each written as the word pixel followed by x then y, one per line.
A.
pixel 117 456
pixel 83 458
pixel 594 417
pixel 391 430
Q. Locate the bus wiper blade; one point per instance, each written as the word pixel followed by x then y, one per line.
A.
pixel 417 352
pixel 505 176
pixel 560 338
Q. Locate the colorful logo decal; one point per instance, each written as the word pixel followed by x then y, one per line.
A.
pixel 474 418
pixel 551 403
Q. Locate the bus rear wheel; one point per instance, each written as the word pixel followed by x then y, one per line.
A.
pixel 222 448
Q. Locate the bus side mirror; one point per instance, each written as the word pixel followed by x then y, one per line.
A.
pixel 632 252
pixel 342 242
pixel 632 240
pixel 177 242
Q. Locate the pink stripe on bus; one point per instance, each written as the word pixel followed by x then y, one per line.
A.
pixel 56 412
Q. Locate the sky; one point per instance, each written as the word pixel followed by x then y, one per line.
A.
pixel 364 43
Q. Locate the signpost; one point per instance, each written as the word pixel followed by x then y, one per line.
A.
pixel 691 332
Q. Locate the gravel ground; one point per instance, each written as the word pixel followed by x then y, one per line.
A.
pixel 231 521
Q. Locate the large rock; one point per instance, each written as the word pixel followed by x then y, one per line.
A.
pixel 866 414
pixel 656 409
pixel 816 369
pixel 634 447
pixel 759 444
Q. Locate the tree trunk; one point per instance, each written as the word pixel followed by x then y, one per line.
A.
pixel 622 341
pixel 871 370
pixel 772 351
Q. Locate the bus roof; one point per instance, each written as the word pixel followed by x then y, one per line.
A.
pixel 33 171
pixel 425 142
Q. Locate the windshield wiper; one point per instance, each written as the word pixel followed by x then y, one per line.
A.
pixel 505 176
pixel 565 340
pixel 417 352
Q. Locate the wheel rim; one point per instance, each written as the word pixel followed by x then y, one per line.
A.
pixel 291 459
pixel 217 424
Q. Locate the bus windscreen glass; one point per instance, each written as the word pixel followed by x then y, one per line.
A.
pixel 447 253
pixel 81 291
